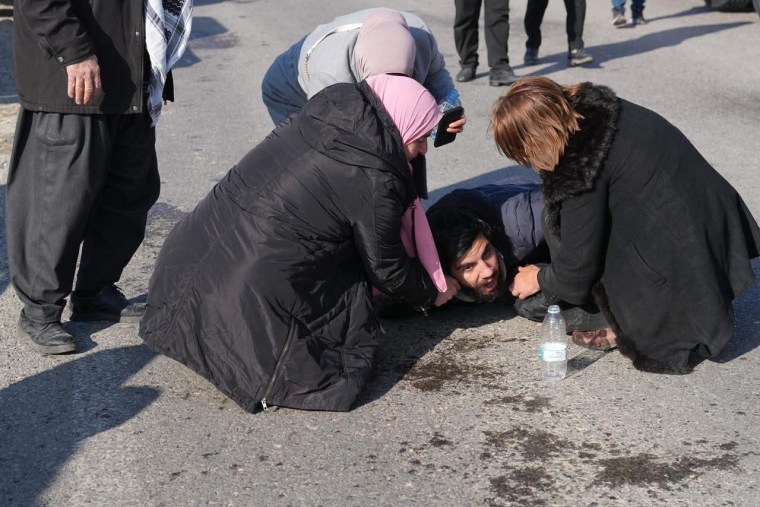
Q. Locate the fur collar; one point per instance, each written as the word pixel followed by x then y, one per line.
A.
pixel 585 152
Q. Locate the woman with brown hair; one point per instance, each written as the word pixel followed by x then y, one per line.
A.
pixel 641 224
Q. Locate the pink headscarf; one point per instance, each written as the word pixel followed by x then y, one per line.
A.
pixel 415 113
pixel 384 45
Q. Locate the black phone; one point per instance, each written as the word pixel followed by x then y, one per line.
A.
pixel 443 136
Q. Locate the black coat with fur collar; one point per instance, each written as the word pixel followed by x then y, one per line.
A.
pixel 650 231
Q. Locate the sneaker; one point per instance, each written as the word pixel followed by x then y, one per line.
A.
pixel 502 76
pixel 531 56
pixel 466 74
pixel 45 337
pixel 107 304
pixel 579 57
pixel 638 20
pixel 618 17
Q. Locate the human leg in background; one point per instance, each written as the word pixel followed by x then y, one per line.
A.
pixel 576 17
pixel 130 186
pixel 54 177
pixel 466 37
pixel 534 16
pixel 496 18
pixel 637 12
pixel 618 13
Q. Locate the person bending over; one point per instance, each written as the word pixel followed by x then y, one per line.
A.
pixel 265 287
pixel 644 226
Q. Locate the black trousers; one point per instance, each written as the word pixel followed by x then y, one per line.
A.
pixel 76 181
pixel 496 20
pixel 576 17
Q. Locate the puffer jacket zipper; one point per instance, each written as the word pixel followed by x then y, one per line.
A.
pixel 277 368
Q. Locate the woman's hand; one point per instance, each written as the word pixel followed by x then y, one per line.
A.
pixel 525 283
pixel 452 287
pixel 456 127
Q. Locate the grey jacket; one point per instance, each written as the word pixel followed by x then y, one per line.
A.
pixel 330 50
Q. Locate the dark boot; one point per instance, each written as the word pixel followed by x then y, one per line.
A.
pixel 466 74
pixel 501 76
pixel 107 304
pixel 531 56
pixel 45 337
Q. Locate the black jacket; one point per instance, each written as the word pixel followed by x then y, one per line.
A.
pixel 264 288
pixel 51 34
pixel 661 239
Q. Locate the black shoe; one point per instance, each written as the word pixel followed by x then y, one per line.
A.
pixel 531 56
pixel 502 76
pixel 45 337
pixel 466 74
pixel 108 304
pixel 579 57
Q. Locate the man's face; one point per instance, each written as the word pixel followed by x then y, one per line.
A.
pixel 478 269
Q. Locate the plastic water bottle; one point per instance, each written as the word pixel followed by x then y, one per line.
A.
pixel 553 345
pixel 452 100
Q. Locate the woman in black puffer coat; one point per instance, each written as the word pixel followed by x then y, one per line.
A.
pixel 264 289
pixel 645 227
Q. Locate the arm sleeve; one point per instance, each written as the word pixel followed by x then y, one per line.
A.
pixel 429 65
pixel 579 260
pixel 438 80
pixel 57 28
pixel 377 232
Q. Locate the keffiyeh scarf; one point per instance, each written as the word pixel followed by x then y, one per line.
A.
pixel 167 28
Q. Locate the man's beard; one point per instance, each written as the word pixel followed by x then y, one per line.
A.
pixel 470 295
pixel 488 297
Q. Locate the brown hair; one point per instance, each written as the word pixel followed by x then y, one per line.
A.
pixel 533 121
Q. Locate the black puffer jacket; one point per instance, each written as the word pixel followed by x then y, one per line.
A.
pixel 264 288
pixel 51 34
pixel 661 240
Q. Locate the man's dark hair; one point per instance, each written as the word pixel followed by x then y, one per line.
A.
pixel 454 231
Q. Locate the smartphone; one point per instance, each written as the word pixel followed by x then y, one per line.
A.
pixel 443 136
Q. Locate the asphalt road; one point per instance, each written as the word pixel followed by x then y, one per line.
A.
pixel 457 413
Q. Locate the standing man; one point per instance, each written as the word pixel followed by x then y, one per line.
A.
pixel 91 76
pixel 496 19
pixel 576 18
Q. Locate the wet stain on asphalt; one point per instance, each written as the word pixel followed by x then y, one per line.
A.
pixel 519 487
pixel 439 440
pixel 434 374
pixel 533 485
pixel 645 469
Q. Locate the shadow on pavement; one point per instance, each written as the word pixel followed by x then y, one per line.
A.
pixel 45 418
pixel 207 34
pixel 623 49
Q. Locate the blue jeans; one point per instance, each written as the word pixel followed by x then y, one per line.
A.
pixel 637 6
pixel 280 91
